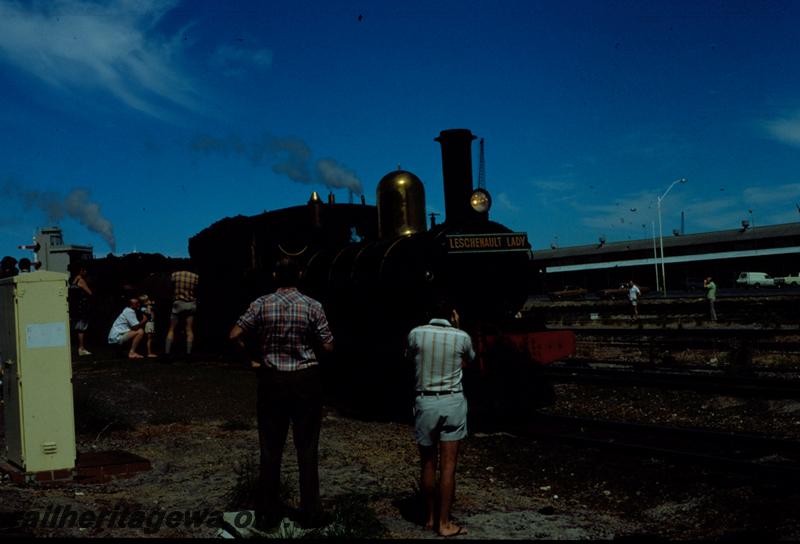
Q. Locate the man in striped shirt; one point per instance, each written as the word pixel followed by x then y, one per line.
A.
pixel 292 331
pixel 440 350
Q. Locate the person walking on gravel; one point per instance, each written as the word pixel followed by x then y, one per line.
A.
pixel 293 333
pixel 439 351
pixel 711 295
pixel 633 295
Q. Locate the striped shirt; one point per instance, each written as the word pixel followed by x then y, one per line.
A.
pixel 183 285
pixel 438 350
pixel 288 323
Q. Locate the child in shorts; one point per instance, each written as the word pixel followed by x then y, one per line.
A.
pixel 149 327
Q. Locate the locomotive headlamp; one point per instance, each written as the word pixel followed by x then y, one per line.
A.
pixel 480 200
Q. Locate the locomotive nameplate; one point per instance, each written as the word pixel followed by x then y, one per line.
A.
pixel 485 243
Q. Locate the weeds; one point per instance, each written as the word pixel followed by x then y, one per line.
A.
pixel 94 415
pixel 243 494
pixel 350 515
pixel 245 490
pixel 351 518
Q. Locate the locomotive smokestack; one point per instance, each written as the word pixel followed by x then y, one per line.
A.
pixel 457 173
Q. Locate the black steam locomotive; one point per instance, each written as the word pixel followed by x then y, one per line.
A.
pixel 377 268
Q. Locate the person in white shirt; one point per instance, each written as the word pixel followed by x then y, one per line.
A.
pixel 633 296
pixel 440 350
pixel 128 328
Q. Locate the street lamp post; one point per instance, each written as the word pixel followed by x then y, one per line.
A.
pixel 661 233
pixel 655 254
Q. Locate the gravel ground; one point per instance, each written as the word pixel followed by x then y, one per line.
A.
pixel 195 423
pixel 776 417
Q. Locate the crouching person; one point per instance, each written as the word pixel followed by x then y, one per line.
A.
pixel 128 328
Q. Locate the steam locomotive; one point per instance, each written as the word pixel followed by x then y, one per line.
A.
pixel 376 269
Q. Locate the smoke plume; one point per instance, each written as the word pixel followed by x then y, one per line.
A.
pixel 288 156
pixel 76 205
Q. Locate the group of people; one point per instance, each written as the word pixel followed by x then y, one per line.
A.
pixel 708 284
pixel 293 334
pixel 136 322
pixel 8 266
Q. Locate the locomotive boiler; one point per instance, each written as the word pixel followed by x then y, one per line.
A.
pixel 377 270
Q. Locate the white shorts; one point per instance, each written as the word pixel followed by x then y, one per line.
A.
pixel 183 307
pixel 440 418
pixel 118 338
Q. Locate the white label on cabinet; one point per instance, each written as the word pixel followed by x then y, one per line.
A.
pixel 46 335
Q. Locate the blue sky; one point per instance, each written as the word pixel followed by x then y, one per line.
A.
pixel 136 124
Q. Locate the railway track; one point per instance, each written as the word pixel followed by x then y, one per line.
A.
pixel 742 456
pixel 737 347
pixel 787 340
pixel 702 380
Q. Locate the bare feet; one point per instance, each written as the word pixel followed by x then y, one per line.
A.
pixel 152 356
pixel 451 530
pixel 134 356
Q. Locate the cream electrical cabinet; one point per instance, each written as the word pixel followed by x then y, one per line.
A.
pixel 37 372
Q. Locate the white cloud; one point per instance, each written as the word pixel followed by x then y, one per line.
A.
pixel 776 218
pixel 627 213
pixel 234 61
pixel 786 130
pixel 550 185
pixel 723 219
pixel 79 44
pixel 767 195
pixel 505 202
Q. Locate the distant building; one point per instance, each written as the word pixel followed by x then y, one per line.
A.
pixel 53 254
pixel 724 254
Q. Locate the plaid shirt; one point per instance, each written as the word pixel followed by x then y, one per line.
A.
pixel 183 285
pixel 438 350
pixel 288 323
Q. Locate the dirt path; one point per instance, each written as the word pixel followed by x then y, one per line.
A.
pixel 195 423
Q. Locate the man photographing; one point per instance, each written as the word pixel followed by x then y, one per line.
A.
pixel 439 351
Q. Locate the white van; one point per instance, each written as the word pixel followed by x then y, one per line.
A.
pixel 755 279
pixel 792 279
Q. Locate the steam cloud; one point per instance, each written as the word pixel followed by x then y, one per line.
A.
pixel 289 156
pixel 75 205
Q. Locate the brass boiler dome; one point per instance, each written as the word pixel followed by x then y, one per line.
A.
pixel 401 204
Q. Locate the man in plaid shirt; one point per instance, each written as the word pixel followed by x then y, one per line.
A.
pixel 291 329
pixel 184 306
